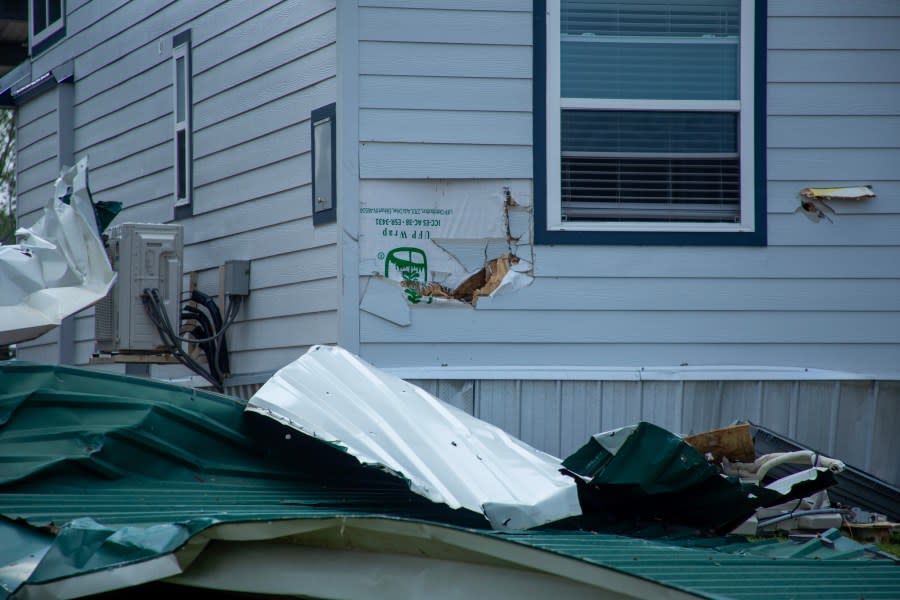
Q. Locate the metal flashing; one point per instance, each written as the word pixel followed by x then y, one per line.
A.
pixel 21 92
pixel 650 373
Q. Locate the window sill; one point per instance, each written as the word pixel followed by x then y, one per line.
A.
pixel 547 237
pixel 46 40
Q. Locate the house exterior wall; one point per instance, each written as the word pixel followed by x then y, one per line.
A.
pixel 258 69
pixel 445 93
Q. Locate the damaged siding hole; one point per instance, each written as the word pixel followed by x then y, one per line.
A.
pixel 410 244
pixel 481 283
pixel 813 200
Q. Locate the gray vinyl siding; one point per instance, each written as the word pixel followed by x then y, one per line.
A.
pixel 36 162
pixel 445 90
pixel 36 170
pixel 821 295
pixel 258 70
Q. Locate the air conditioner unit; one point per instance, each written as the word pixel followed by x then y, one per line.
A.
pixel 144 256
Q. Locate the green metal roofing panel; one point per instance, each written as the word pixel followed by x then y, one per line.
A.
pixel 75 442
pixel 98 471
pixel 739 571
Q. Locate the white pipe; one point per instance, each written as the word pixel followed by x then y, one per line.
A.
pixel 761 466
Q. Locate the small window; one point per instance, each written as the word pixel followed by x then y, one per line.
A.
pixel 181 59
pixel 324 154
pixel 650 131
pixel 47 24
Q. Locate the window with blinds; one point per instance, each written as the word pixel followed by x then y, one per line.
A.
pixel 649 111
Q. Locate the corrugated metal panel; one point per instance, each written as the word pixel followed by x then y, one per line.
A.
pixel 444 454
pixel 717 574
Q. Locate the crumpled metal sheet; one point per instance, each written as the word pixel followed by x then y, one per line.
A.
pixel 645 474
pixel 57 268
pixel 445 454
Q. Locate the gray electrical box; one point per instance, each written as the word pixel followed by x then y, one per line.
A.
pixel 237 277
pixel 145 256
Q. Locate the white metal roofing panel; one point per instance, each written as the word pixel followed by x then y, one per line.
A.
pixel 447 455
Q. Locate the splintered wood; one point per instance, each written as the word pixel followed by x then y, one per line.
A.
pixel 734 443
pixel 484 281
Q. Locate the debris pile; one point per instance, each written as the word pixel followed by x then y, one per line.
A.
pixel 109 482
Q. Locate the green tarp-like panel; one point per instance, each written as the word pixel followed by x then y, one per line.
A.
pixel 645 474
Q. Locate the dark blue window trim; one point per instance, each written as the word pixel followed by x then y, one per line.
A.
pixel 329 215
pixel 543 236
pixel 45 43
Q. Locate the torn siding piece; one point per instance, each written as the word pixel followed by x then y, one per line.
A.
pixel 862 192
pixel 58 267
pixel 383 299
pixel 502 275
pixel 446 455
pixel 812 200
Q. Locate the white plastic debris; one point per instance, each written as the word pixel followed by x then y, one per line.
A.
pixel 57 268
pixel 447 455
pixel 861 192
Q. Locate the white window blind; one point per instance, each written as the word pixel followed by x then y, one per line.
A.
pixel 649 110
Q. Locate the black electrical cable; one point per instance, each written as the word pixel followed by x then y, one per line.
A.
pixel 202 329
pixel 212 308
pixel 231 316
pixel 207 335
pixel 176 351
pixel 160 319
pixel 210 305
pixel 215 350
pixel 209 351
pixel 164 327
